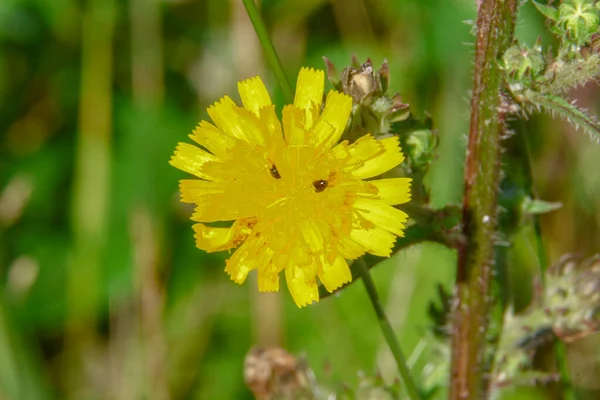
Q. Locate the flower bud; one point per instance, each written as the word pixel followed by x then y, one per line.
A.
pixel 579 20
pixel 360 82
pixel 522 62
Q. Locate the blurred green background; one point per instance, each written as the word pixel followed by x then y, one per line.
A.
pixel 103 293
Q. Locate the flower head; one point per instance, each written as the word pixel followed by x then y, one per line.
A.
pixel 298 200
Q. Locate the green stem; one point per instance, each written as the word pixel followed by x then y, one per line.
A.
pixel 474 296
pixel 387 330
pixel 565 379
pixel 91 185
pixel 269 49
pixel 527 164
pixel 559 347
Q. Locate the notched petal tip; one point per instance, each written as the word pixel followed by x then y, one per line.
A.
pixel 303 288
pixel 237 268
pixel 393 191
pixel 307 71
pixel 303 301
pixel 224 101
pixel 376 241
pixel 334 94
pixel 268 282
pixel 389 157
pixel 334 119
pixel 191 159
pixel 254 94
pixel 240 123
pixel 212 139
pixel 382 215
pixel 309 88
pixel 335 275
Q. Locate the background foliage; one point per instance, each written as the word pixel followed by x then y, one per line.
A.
pixel 103 294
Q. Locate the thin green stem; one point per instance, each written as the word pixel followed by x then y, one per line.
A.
pixel 559 348
pixel 565 379
pixel 270 53
pixel 387 330
pixel 528 157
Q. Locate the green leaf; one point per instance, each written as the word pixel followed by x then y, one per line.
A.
pixel 567 111
pixel 536 206
pixel 549 12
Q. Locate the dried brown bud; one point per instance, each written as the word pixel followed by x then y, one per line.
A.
pixel 360 82
pixel 272 373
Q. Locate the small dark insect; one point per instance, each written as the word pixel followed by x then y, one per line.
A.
pixel 320 185
pixel 274 172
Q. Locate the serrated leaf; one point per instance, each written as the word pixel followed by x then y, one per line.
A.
pixel 537 206
pixel 549 12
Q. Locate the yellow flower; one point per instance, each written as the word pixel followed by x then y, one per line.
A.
pixel 299 202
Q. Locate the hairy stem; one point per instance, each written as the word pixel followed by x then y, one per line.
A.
pixel 269 49
pixel 387 330
pixel 470 361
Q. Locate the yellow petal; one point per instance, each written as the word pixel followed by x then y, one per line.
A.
pixel 334 275
pixel 212 239
pixel 293 128
pixel 382 215
pixel 393 191
pixel 312 234
pixel 254 94
pixel 356 154
pixel 268 282
pixel 213 139
pixel 309 89
pixel 220 206
pixel 376 241
pixel 349 249
pixel 349 157
pixel 302 284
pixel 191 159
pixel 388 159
pixel 333 120
pixel 239 265
pixel 269 118
pixel 244 259
pixel 237 122
pixel 194 190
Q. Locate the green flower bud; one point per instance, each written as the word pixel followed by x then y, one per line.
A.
pixel 579 19
pixel 522 62
pixel 421 146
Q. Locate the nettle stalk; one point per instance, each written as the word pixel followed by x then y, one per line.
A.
pixel 473 301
